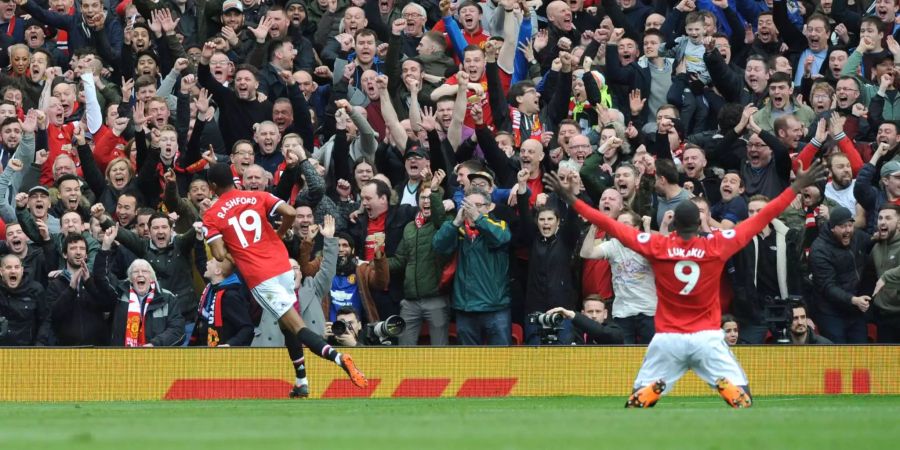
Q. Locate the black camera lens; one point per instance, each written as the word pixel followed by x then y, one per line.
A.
pixel 339 327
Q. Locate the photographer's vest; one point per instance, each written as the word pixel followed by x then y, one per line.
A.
pixel 344 292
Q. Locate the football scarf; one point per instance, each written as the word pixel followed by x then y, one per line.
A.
pixel 134 325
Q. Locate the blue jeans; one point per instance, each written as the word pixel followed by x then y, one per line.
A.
pixel 533 335
pixel 843 330
pixel 636 329
pixel 479 328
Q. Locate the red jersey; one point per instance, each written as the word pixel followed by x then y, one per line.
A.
pixel 239 217
pixel 488 116
pixel 59 141
pixel 688 272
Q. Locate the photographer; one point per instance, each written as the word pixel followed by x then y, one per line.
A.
pixel 591 326
pixel 800 328
pixel 349 333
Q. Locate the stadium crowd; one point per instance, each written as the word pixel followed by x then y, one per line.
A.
pixel 413 137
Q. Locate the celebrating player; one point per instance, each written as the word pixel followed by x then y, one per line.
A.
pixel 688 268
pixel 236 228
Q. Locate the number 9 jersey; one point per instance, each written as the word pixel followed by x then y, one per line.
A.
pixel 688 272
pixel 240 219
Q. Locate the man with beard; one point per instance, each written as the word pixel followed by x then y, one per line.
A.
pixel 885 254
pixel 420 267
pixel 238 109
pixel 801 332
pixel 382 224
pixel 77 311
pixel 635 187
pixel 356 281
pixel 767 268
pixel 837 259
pixel 669 192
pixel 781 101
pixel 170 257
pixel 93 27
pixel 10 138
pixel 23 304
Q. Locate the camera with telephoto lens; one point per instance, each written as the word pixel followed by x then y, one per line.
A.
pixel 550 324
pixel 4 327
pixel 778 313
pixel 384 332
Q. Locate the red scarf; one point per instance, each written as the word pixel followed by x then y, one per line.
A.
pixel 517 117
pixel 134 325
pixel 420 220
pixel 214 319
pixel 471 231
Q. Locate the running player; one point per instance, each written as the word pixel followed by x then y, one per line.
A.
pixel 688 268
pixel 236 227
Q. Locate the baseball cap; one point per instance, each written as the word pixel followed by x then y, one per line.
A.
pixel 412 150
pixel 839 216
pixel 482 174
pixel 38 188
pixel 890 168
pixel 228 5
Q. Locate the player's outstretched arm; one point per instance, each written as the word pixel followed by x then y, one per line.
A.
pixel 625 234
pixel 218 251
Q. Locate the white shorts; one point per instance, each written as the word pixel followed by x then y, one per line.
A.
pixel 670 355
pixel 276 294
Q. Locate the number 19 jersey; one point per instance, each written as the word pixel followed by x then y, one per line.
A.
pixel 239 218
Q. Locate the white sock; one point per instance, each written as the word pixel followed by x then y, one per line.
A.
pixel 301 382
pixel 337 360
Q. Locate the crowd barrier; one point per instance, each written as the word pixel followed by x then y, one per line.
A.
pixel 94 374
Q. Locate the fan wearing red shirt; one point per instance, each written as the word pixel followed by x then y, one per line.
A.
pixel 473 65
pixel 688 271
pixel 236 227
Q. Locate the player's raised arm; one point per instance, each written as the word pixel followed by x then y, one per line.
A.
pixel 754 225
pixel 626 235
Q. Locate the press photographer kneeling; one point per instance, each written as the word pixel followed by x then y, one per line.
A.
pixel 348 331
pixel 591 324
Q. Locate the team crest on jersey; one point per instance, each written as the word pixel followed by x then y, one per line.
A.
pixel 351 278
pixel 643 238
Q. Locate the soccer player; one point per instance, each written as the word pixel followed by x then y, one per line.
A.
pixel 688 268
pixel 236 228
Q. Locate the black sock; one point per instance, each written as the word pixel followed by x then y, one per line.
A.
pixel 318 345
pixel 295 350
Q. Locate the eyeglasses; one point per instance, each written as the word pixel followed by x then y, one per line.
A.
pixel 212 63
pixel 412 15
pixel 580 147
pixel 756 146
pixel 481 205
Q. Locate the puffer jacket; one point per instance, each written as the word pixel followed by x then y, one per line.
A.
pixel 27 313
pixel 163 322
pixel 837 272
pixel 415 260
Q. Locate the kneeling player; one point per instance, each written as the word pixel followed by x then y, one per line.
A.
pixel 688 268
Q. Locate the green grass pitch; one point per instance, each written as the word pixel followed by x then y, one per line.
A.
pixel 838 422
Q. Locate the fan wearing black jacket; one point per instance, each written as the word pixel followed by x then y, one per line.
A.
pixel 591 326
